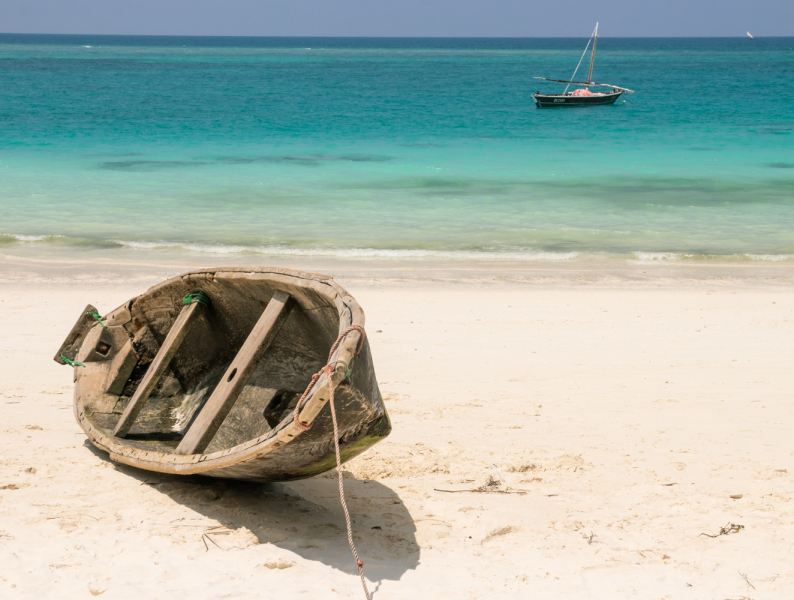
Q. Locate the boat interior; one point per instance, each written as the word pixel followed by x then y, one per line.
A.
pixel 118 357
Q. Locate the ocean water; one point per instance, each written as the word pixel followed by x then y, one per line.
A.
pixel 408 149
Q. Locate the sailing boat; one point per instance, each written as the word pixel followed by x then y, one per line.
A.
pixel 581 96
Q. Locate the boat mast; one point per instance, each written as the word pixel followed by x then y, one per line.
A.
pixel 592 57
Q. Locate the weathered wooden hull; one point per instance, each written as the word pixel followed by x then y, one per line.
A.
pixel 560 100
pixel 258 440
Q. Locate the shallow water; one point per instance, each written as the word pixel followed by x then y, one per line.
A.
pixel 404 149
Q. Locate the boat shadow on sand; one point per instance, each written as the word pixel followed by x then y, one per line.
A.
pixel 304 517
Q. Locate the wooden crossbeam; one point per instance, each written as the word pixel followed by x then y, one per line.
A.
pixel 237 375
pixel 176 335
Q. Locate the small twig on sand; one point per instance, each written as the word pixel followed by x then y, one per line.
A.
pixel 492 486
pixel 749 583
pixel 176 523
pixel 218 530
pixel 727 530
pixel 479 491
pixel 78 515
pixel 204 538
pixel 746 580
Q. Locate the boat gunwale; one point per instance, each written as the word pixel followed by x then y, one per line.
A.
pixel 571 95
pixel 286 431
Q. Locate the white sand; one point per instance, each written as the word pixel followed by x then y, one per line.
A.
pixel 630 412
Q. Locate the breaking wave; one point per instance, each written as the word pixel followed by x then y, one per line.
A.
pixel 360 253
pixel 657 257
pixel 54 244
pixel 770 257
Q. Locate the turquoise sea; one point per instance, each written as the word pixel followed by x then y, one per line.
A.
pixel 394 148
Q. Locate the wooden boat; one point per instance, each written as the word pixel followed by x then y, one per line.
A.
pixel 202 375
pixel 581 96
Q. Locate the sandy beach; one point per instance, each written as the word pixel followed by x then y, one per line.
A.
pixel 627 413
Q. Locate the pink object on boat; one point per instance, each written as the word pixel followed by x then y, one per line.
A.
pixel 584 92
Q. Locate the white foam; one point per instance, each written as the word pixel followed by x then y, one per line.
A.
pixel 647 258
pixel 359 253
pixel 770 257
pixel 145 245
pixel 31 238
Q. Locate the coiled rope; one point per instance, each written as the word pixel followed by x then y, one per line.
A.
pixel 328 370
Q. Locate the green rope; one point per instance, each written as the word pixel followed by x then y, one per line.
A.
pixel 199 297
pixel 72 363
pixel 98 318
pixel 347 368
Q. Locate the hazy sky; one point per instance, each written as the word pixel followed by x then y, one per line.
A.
pixel 518 18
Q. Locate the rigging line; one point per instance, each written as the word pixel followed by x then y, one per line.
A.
pixel 580 60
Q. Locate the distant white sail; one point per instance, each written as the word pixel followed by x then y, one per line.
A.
pixel 750 35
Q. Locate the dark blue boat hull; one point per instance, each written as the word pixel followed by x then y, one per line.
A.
pixel 567 100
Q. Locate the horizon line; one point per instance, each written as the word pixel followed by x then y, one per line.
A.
pixel 399 37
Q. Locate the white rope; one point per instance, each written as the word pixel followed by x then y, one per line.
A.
pixel 328 370
pixel 359 562
pixel 573 77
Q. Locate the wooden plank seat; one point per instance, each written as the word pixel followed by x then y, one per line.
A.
pixel 176 335
pixel 237 375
